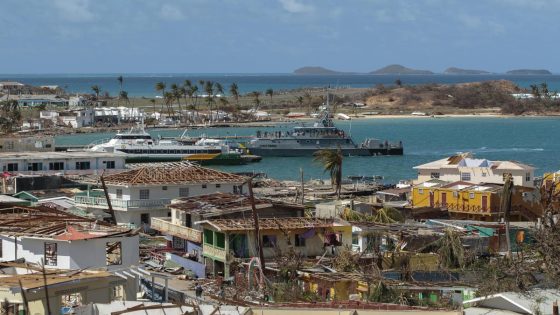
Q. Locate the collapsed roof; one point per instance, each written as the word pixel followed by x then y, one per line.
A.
pixel 55 224
pixel 171 173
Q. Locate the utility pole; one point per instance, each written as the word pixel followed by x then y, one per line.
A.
pixel 109 205
pixel 302 187
pixel 256 220
pixel 506 208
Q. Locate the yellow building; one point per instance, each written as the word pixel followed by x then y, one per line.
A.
pixel 464 200
pixel 70 288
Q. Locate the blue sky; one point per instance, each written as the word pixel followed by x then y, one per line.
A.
pixel 275 36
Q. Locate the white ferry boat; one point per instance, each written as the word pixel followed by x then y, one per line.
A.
pixel 139 146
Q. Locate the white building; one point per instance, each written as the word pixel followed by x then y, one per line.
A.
pixel 464 167
pixel 77 118
pixel 76 100
pixel 68 163
pixel 144 192
pixel 65 241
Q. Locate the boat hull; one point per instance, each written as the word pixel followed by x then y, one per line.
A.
pixel 310 151
pixel 202 159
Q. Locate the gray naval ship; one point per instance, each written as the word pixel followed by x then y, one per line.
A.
pixel 306 140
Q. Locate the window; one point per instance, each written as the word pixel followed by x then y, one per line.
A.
pixel 183 192
pixel 204 186
pixel 144 194
pixel 145 218
pixel 117 293
pixel 420 191
pixel 109 164
pixel 218 185
pixel 164 187
pixel 527 177
pixel 220 240
pixel 50 254
pixel 82 165
pixel 269 240
pixel 56 166
pixel 466 176
pixel 12 167
pixel 113 253
pixel 483 174
pixel 471 195
pixel 238 190
pixel 434 175
pixel 119 193
pixel 208 237
pixel 299 240
pixel 35 167
pixel 455 194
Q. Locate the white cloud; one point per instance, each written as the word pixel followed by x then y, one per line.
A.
pixel 293 6
pixel 169 12
pixel 74 10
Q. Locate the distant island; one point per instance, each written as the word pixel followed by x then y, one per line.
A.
pixel 454 70
pixel 398 69
pixel 317 71
pixel 529 71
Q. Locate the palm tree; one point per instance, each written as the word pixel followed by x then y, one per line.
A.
pixel 308 99
pixel 96 90
pixel 121 80
pixel 168 98
pixel 300 101
pixel 177 94
pixel 194 92
pixel 234 91
pixel 220 91
pixel 332 162
pixel 160 87
pixel 269 92
pixel 153 101
pixel 209 89
pixel 255 95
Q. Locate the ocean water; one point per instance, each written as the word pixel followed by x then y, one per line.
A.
pixel 142 85
pixel 529 140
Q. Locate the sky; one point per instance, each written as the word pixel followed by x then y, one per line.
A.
pixel 275 36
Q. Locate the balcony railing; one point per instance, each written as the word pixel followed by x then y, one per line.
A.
pixel 453 207
pixel 164 225
pixel 214 252
pixel 101 202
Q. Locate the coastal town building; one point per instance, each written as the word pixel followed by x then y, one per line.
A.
pixel 61 240
pixel 184 232
pixel 39 143
pixel 464 167
pixel 67 163
pixel 143 192
pixel 225 240
pixel 22 285
pixel 468 200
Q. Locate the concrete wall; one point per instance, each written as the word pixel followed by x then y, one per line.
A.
pixel 96 163
pixel 479 175
pixel 71 255
pixel 171 191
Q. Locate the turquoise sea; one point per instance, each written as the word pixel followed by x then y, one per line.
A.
pixel 529 140
pixel 142 85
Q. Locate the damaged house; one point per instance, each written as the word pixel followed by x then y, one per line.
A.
pixel 62 240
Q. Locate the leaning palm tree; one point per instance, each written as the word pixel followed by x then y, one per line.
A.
pixel 96 90
pixel 121 80
pixel 220 91
pixel 194 93
pixel 234 91
pixel 332 163
pixel 160 87
pixel 269 92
